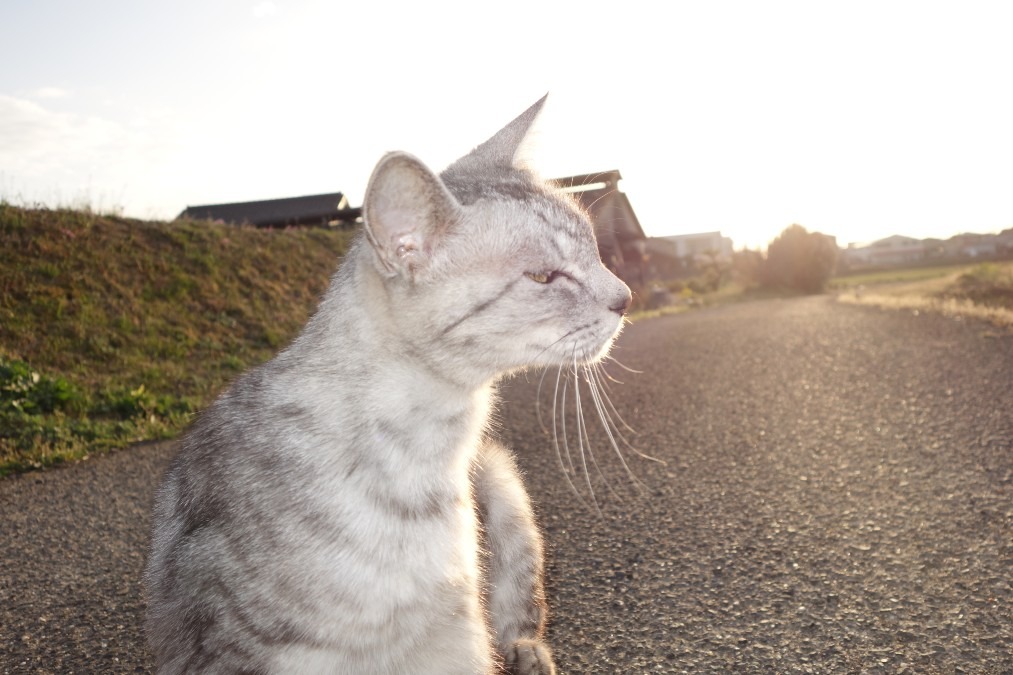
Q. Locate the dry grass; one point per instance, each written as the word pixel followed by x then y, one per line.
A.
pixel 115 330
pixel 981 292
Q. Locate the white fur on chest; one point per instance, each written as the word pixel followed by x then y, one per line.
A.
pixel 399 572
pixel 396 596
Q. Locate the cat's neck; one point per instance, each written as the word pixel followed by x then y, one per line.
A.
pixel 391 390
pixel 361 322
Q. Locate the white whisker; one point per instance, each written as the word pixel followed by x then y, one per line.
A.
pixel 594 397
pixel 607 426
pixel 599 370
pixel 623 366
pixel 582 432
pixel 538 401
pixel 610 406
pixel 555 437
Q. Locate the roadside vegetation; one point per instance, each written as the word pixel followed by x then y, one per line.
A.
pixel 114 331
pixel 982 291
pixel 797 262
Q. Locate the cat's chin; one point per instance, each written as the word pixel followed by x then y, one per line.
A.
pixel 600 350
pixel 599 354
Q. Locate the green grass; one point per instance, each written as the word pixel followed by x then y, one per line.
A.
pixel 852 281
pixel 129 326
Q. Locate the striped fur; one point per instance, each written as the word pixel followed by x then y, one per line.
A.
pixel 342 508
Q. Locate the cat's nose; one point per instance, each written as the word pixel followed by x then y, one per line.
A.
pixel 622 305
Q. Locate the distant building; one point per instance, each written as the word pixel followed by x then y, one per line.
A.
pixel 898 251
pixel 895 250
pixel 1004 241
pixel 621 239
pixel 684 255
pixel 700 245
pixel 972 245
pixel 321 210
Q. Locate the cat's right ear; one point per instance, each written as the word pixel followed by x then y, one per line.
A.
pixel 405 211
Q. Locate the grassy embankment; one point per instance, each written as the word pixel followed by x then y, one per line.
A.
pixel 114 331
pixel 983 291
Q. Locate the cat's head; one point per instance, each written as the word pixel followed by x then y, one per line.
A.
pixel 487 266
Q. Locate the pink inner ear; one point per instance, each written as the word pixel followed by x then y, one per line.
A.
pixel 405 245
pixel 406 208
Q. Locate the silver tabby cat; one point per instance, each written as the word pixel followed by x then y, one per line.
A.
pixel 342 508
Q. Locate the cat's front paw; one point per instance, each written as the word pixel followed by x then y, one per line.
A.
pixel 530 657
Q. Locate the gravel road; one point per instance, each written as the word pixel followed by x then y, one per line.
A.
pixel 836 498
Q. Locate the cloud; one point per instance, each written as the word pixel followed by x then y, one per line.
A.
pixel 34 139
pixel 265 9
pixel 52 156
pixel 50 92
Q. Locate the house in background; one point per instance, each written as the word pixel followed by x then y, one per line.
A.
pixel 895 250
pixel 899 251
pixel 973 245
pixel 327 210
pixel 700 245
pixel 683 255
pixel 621 240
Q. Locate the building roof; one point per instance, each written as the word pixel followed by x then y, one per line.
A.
pixel 609 208
pixel 692 236
pixel 307 210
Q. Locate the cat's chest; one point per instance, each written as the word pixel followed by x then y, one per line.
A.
pixel 386 565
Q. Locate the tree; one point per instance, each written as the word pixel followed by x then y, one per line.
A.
pixel 747 266
pixel 800 260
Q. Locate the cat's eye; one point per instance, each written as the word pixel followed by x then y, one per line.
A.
pixel 543 277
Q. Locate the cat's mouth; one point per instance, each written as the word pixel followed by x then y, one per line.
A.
pixel 583 345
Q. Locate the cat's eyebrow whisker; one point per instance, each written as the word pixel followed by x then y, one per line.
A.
pixel 555 436
pixel 603 196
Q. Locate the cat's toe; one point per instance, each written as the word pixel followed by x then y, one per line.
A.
pixel 530 657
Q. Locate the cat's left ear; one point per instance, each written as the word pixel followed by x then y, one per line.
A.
pixel 406 210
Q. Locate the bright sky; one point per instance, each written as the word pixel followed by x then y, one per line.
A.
pixel 857 119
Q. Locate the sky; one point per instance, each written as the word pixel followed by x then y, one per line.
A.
pixel 856 119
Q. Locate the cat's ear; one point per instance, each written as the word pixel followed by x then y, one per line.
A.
pixel 503 148
pixel 406 210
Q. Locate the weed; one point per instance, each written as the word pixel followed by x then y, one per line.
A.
pixel 130 326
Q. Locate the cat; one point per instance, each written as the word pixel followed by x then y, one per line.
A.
pixel 343 508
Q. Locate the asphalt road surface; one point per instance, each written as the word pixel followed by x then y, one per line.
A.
pixel 837 497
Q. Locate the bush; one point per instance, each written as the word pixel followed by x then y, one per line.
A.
pixel 48 420
pixel 800 260
pixel 25 390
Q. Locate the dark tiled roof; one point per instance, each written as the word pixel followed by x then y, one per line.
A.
pixel 621 240
pixel 308 210
pixel 610 209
